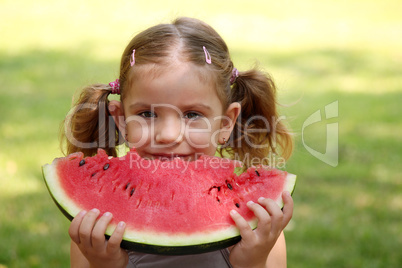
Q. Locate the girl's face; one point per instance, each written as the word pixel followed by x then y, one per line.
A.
pixel 176 114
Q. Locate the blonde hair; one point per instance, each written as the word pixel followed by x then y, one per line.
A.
pixel 185 37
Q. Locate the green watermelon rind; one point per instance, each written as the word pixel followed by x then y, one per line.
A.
pixel 65 204
pixel 156 242
pixel 147 242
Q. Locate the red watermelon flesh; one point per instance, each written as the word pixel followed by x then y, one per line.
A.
pixel 170 207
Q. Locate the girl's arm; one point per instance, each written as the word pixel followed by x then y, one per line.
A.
pixel 277 256
pixel 77 260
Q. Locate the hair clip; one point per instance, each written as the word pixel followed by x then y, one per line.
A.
pixel 235 74
pixel 132 59
pixel 207 56
pixel 115 85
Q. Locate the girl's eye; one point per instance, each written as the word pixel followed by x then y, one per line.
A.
pixel 147 114
pixel 192 115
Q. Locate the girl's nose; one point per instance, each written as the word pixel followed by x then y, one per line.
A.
pixel 169 130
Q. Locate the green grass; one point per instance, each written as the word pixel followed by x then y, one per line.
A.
pixel 318 53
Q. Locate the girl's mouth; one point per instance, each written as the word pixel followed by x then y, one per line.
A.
pixel 170 157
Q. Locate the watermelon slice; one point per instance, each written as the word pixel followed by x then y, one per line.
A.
pixel 170 207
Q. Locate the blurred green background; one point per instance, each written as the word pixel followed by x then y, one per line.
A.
pixel 319 52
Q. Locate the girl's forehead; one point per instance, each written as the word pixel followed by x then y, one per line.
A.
pixel 151 71
pixel 175 84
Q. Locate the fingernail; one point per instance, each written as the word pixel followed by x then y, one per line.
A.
pixel 122 224
pixel 95 210
pixel 261 199
pixel 287 193
pixel 107 214
pixel 82 213
pixel 233 212
pixel 249 203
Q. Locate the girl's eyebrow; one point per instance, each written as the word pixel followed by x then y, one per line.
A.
pixel 196 106
pixel 138 105
pixel 142 105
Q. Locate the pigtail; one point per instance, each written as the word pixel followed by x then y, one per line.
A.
pixel 259 130
pixel 89 125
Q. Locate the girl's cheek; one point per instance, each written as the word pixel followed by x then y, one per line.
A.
pixel 137 133
pixel 201 140
pixel 202 133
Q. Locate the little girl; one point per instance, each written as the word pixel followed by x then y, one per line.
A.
pixel 180 96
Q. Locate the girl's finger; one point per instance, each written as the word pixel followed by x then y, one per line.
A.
pixel 275 212
pixel 264 219
pixel 87 226
pixel 113 244
pixel 287 208
pixel 245 230
pixel 98 233
pixel 75 226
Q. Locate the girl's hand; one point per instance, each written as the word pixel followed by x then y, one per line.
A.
pixel 255 245
pixel 88 234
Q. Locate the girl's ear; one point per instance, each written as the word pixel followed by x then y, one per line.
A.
pixel 228 122
pixel 117 112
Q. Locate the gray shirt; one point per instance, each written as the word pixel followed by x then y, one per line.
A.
pixel 218 259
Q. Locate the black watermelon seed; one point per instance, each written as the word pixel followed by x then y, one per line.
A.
pixel 230 186
pixel 132 191
pixel 237 205
pixel 106 166
pixel 94 174
pixel 82 162
pixel 256 172
pixel 128 184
